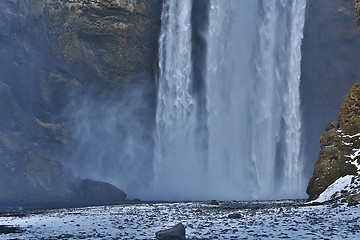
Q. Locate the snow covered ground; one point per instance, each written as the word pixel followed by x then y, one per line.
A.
pixel 258 220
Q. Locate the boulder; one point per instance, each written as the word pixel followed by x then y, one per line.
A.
pixel 234 215
pixel 94 191
pixel 214 202
pixel 175 233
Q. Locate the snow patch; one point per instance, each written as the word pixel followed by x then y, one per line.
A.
pixel 357 165
pixel 346 143
pixel 340 184
pixel 355 154
pixel 349 136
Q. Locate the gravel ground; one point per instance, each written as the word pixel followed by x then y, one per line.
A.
pixel 253 220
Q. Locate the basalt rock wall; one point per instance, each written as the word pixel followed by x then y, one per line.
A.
pixel 52 52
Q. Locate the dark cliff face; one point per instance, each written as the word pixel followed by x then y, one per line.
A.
pixel 60 45
pixel 330 53
pixel 53 55
pixel 108 42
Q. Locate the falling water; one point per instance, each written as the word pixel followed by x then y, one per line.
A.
pixel 228 120
pixel 177 154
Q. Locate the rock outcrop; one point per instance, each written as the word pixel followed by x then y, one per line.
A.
pixel 339 157
pixel 115 39
pixel 175 233
pixel 52 52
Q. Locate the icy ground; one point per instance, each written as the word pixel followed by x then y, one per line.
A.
pixel 258 220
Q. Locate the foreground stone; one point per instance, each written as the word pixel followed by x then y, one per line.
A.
pixel 175 233
pixel 234 215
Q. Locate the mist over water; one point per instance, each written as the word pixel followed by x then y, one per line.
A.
pixel 228 121
pixel 112 137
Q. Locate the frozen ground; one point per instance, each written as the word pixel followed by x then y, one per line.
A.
pixel 258 220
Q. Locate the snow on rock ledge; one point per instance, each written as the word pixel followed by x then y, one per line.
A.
pixel 334 189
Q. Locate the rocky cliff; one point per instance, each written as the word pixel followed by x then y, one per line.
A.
pixel 336 172
pixel 340 152
pixel 52 52
pixel 330 52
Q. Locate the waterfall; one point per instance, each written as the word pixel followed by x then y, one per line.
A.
pixel 228 122
pixel 178 158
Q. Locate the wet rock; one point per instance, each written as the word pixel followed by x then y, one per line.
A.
pixel 94 191
pixel 214 202
pixel 352 202
pixel 9 229
pixel 234 215
pixel 255 208
pixel 175 233
pixel 66 236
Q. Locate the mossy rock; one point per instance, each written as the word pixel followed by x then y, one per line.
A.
pixel 338 142
pixel 349 115
pixel 114 39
